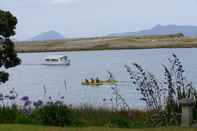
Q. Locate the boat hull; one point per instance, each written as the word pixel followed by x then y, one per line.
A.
pixel 107 82
pixel 56 63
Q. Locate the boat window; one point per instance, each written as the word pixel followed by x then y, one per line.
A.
pixel 51 59
pixel 54 59
pixel 63 58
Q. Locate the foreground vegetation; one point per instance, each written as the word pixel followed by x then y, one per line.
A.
pixel 109 43
pixel 60 115
pixel 161 99
pixel 6 127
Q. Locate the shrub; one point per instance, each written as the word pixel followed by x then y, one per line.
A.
pixel 162 97
pixel 79 122
pixel 54 115
pixel 8 114
pixel 25 119
pixel 121 122
pixel 148 86
pixel 94 117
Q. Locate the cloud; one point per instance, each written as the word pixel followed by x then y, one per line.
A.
pixel 63 1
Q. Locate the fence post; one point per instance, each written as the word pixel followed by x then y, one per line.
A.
pixel 186 116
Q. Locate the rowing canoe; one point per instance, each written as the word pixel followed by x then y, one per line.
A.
pixel 111 82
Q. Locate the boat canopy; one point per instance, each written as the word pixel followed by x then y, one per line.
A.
pixel 56 57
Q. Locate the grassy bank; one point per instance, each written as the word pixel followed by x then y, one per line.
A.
pixel 108 43
pixel 8 127
pixel 60 115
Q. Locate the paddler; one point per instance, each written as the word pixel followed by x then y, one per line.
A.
pixel 92 80
pixel 97 80
pixel 86 81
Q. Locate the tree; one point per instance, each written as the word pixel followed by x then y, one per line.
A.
pixel 8 55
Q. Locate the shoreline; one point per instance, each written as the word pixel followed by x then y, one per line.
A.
pixel 100 44
pixel 84 50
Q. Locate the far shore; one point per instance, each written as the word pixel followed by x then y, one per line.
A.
pixel 107 43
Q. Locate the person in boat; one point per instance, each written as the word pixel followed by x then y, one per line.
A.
pixel 92 80
pixel 97 80
pixel 111 78
pixel 86 81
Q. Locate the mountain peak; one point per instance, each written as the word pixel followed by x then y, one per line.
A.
pixel 52 31
pixel 50 35
pixel 157 26
pixel 187 30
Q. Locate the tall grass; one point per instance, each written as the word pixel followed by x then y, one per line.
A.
pixel 61 115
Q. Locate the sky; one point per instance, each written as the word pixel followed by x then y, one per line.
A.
pixel 90 18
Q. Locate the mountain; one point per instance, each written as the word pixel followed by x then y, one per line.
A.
pixel 51 35
pixel 163 30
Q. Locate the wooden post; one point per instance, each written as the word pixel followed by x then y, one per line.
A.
pixel 186 116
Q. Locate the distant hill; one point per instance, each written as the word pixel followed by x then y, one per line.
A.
pixel 163 30
pixel 51 35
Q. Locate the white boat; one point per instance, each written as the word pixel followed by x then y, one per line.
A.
pixel 56 60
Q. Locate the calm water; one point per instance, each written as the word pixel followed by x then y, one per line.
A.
pixel 30 77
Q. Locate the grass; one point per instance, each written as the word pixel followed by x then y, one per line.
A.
pixel 84 116
pixel 9 127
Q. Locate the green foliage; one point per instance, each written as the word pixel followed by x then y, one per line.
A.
pixel 8 56
pixel 54 115
pixel 108 118
pixel 7 24
pixel 25 119
pixel 195 112
pixel 121 122
pixel 178 88
pixel 94 117
pixel 3 76
pixel 148 86
pixel 79 122
pixel 61 115
pixel 162 98
pixel 8 114
pixel 161 119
